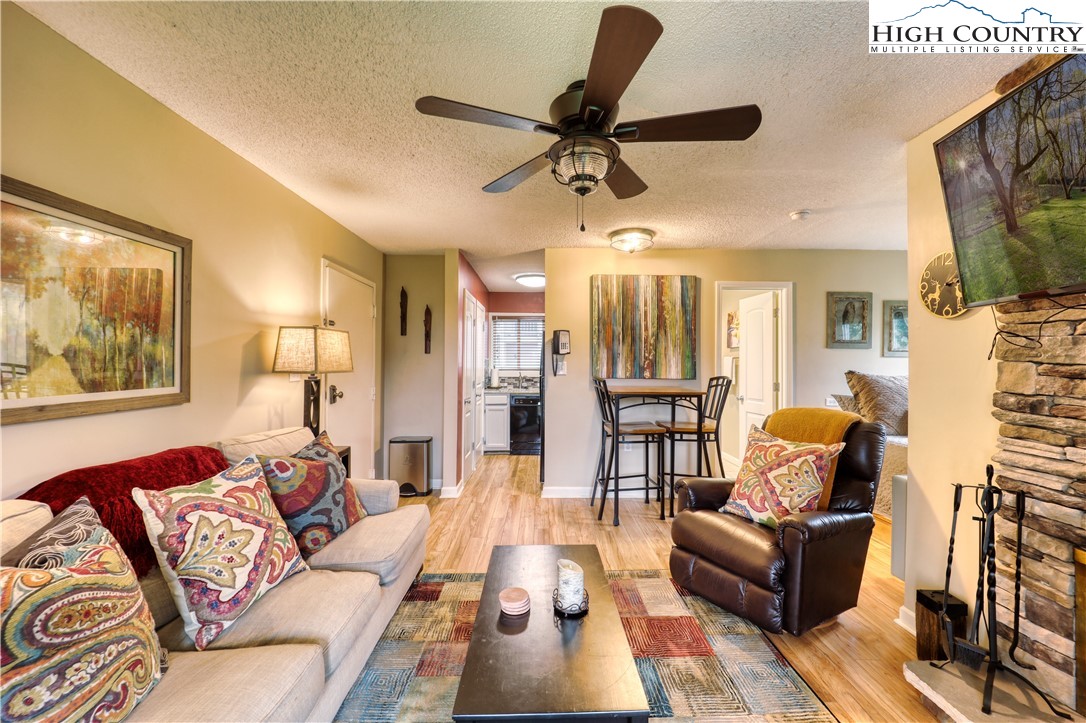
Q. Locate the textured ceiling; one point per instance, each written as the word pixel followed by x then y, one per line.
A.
pixel 320 95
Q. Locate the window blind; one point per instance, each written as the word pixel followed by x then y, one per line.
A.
pixel 516 342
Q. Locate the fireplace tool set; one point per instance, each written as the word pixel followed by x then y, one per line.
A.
pixel 968 651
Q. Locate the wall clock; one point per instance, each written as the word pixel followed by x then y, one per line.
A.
pixel 941 287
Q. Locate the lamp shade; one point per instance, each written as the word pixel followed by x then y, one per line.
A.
pixel 312 350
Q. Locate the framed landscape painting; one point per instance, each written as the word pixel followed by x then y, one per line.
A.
pixel 95 309
pixel 848 319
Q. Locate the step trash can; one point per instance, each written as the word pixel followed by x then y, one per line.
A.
pixel 410 464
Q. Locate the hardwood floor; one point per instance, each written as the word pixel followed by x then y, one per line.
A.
pixel 854 665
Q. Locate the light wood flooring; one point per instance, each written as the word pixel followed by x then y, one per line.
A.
pixel 854 664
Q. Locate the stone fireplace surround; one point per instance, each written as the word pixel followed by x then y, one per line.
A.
pixel 1040 401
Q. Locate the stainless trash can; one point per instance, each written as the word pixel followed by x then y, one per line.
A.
pixel 410 464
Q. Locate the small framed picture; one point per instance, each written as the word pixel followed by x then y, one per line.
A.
pixel 848 319
pixel 733 329
pixel 895 328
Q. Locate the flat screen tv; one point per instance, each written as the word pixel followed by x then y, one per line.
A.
pixel 1014 182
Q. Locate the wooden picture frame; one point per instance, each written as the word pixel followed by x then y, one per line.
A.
pixel 96 309
pixel 895 328
pixel 848 319
pixel 733 329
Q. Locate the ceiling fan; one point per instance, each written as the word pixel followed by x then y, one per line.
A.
pixel 584 116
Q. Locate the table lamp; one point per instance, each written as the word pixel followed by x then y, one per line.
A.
pixel 313 350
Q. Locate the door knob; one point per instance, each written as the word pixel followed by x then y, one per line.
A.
pixel 334 394
pixel 741 398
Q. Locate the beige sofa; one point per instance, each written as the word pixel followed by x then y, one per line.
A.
pixel 296 653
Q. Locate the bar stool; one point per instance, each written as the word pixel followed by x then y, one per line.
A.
pixel 644 433
pixel 716 394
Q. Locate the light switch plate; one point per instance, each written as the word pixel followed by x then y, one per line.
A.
pixel 832 403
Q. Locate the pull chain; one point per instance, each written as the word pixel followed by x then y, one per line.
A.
pixel 580 211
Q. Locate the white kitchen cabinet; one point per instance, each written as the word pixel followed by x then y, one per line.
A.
pixel 496 422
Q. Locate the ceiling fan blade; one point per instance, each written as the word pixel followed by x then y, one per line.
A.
pixel 518 175
pixel 443 108
pixel 722 124
pixel 623 182
pixel 624 39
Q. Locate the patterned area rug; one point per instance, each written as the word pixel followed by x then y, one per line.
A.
pixel 697 662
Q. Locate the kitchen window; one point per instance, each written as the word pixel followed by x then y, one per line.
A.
pixel 516 342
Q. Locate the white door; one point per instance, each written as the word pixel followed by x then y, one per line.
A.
pixel 757 384
pixel 479 372
pixel 349 303
pixel 468 425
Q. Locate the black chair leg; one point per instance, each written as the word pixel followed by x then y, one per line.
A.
pixel 645 444
pixel 719 456
pixel 606 484
pixel 599 468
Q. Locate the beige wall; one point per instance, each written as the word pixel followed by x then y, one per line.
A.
pixel 71 125
pixel 571 415
pixel 414 381
pixel 952 434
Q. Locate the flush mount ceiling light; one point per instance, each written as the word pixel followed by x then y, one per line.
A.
pixel 800 215
pixel 534 280
pixel 632 240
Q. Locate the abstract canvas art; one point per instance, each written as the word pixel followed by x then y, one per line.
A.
pixel 94 309
pixel 644 327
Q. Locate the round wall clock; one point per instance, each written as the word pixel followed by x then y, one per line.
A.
pixel 941 287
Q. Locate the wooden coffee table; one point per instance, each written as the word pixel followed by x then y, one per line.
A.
pixel 538 667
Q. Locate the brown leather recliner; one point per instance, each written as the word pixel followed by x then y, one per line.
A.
pixel 797 576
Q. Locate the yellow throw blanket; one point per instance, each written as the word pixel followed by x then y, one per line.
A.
pixel 813 424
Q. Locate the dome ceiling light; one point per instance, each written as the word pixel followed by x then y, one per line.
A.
pixel 533 280
pixel 632 240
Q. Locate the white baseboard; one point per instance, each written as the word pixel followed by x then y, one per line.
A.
pixel 436 483
pixel 560 493
pixel 906 618
pixel 568 493
pixel 452 492
pixel 731 465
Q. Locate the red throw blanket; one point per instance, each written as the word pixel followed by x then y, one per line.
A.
pixel 109 488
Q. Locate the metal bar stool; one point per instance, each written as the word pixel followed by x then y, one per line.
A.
pixel 644 433
pixel 716 395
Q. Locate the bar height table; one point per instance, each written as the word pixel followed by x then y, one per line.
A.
pixel 668 394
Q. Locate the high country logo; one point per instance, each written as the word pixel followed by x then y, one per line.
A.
pixel 977 26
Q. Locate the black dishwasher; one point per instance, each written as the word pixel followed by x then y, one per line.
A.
pixel 524 424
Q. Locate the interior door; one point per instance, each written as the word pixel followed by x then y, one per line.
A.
pixel 349 303
pixel 480 377
pixel 757 384
pixel 468 426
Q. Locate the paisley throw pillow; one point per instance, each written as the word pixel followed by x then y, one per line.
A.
pixel 79 640
pixel 46 547
pixel 779 478
pixel 317 503
pixel 221 543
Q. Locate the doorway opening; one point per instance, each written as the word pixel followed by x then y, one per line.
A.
pixel 755 348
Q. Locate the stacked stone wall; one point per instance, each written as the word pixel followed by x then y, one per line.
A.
pixel 1040 401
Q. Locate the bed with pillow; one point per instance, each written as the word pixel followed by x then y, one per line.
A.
pixel 885 400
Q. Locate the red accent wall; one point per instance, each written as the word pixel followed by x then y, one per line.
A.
pixel 516 303
pixel 469 280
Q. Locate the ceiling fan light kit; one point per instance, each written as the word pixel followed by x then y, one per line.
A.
pixel 584 116
pixel 581 162
pixel 534 280
pixel 632 240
